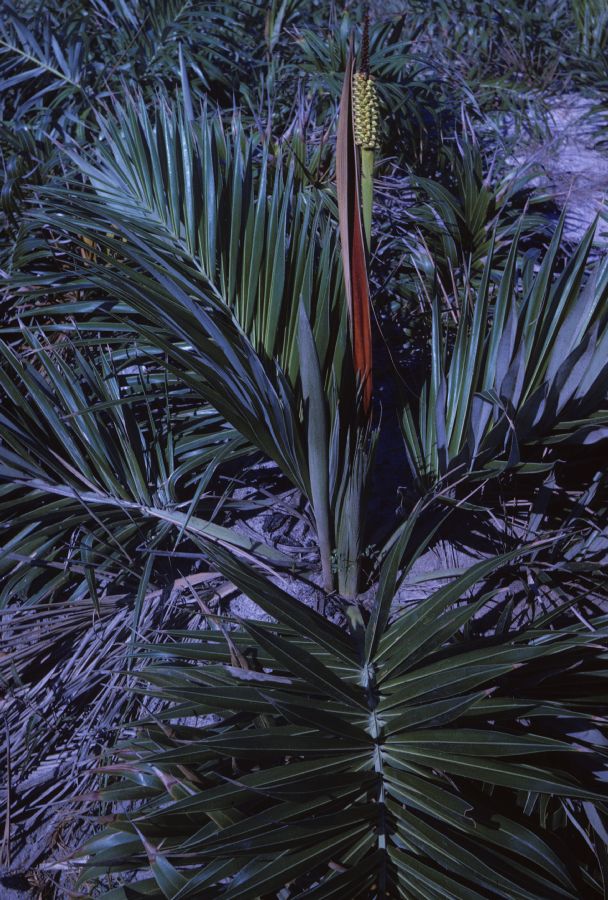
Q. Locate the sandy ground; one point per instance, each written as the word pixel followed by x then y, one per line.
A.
pixel 573 168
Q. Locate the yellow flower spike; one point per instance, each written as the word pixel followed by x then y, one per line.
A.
pixel 365 128
pixel 365 110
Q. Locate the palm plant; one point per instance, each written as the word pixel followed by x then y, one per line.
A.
pixel 236 273
pixel 94 472
pixel 442 228
pixel 487 39
pixel 410 756
pixel 469 210
pixel 56 63
pixel 55 75
pixel 186 341
pixel 505 58
pixel 528 367
pixel 107 479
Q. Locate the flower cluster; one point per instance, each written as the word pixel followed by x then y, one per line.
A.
pixel 365 111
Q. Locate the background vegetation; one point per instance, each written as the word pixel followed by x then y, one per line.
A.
pixel 258 639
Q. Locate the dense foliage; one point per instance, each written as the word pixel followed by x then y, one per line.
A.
pixel 239 427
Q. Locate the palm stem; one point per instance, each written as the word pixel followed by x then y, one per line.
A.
pixel 367 193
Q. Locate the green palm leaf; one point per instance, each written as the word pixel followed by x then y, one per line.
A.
pixel 233 272
pixel 524 371
pixel 412 793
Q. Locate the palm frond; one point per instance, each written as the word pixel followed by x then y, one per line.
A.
pixel 527 368
pixel 219 254
pixel 94 477
pixel 416 774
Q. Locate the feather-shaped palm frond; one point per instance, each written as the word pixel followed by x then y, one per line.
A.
pixel 397 759
pixel 96 474
pixel 219 260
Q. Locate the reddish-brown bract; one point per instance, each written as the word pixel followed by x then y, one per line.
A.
pixel 352 241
